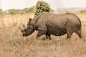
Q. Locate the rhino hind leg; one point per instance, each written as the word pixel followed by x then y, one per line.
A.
pixel 79 33
pixel 69 34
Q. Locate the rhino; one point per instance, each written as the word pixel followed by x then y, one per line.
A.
pixel 53 24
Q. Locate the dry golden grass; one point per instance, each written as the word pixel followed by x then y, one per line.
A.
pixel 12 44
pixel 15 19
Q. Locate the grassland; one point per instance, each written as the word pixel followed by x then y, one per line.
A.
pixel 12 43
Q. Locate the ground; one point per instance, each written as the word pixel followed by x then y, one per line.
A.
pixel 13 44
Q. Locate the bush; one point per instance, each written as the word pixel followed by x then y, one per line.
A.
pixel 83 11
pixel 42 6
pixel 13 11
pixel 4 12
pixel 31 9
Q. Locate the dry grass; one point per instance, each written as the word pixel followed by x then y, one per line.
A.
pixel 12 44
pixel 14 20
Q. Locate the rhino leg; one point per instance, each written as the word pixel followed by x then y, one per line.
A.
pixel 48 36
pixel 69 30
pixel 69 34
pixel 40 33
pixel 79 33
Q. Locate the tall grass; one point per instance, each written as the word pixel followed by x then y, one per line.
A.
pixel 15 19
pixel 12 43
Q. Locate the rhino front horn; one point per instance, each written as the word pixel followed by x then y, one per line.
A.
pixel 20 28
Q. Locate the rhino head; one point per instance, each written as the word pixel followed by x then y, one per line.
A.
pixel 26 31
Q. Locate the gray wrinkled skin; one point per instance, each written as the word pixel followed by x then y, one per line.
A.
pixel 55 24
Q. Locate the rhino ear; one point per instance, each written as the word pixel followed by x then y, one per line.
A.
pixel 30 19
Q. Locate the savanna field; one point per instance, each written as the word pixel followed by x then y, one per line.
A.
pixel 12 43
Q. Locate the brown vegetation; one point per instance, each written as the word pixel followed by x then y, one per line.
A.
pixel 12 43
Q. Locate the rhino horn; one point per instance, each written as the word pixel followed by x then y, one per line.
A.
pixel 23 26
pixel 20 28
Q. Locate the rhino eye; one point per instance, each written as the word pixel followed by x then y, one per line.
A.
pixel 25 30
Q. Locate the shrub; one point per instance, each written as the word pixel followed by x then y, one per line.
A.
pixel 13 11
pixel 42 6
pixel 83 11
pixel 31 9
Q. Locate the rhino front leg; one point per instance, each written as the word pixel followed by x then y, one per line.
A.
pixel 48 36
pixel 40 33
